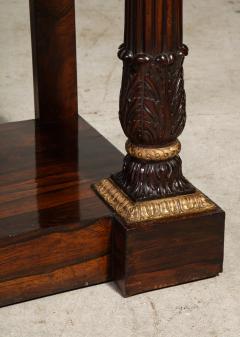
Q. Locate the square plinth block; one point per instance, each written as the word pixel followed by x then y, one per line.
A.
pixel 159 254
pixel 55 233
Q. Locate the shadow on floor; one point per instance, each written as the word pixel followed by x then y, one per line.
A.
pixel 2 120
pixel 113 286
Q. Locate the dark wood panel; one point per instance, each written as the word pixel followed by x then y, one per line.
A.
pixel 54 61
pixel 154 255
pixel 55 233
pixel 59 280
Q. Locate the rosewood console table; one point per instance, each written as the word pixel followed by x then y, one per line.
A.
pixel 154 228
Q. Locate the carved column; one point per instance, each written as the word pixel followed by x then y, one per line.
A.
pixel 152 102
pixel 153 115
pixel 165 232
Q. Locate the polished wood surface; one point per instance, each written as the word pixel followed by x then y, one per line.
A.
pixel 55 233
pixel 54 61
pixel 159 254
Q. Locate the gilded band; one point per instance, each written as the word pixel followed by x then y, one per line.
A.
pixel 155 154
pixel 151 210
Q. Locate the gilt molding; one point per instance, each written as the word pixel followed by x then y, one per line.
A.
pixel 155 154
pixel 133 212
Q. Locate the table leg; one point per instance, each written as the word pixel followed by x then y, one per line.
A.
pixel 54 61
pixel 151 197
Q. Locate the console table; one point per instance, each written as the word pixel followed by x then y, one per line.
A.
pixel 71 214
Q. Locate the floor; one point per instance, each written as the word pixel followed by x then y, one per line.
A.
pixel 209 308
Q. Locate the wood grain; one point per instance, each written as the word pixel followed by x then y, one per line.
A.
pixel 54 61
pixel 55 233
pixel 159 254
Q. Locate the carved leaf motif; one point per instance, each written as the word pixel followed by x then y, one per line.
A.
pixel 177 98
pixel 152 101
pixel 140 106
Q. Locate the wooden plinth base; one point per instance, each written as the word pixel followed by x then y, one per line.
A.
pixel 153 255
pixel 55 233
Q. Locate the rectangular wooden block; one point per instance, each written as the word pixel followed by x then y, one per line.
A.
pixel 153 255
pixel 55 233
pixel 50 262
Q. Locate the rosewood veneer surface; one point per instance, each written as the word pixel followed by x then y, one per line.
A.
pixel 54 231
pixel 159 254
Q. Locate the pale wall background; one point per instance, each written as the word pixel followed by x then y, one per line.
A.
pixel 211 150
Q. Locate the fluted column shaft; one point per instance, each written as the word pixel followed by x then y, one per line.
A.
pixel 153 26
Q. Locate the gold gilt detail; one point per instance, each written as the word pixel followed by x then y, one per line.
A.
pixel 151 210
pixel 155 154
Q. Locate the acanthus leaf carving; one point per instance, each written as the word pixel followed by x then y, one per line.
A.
pixel 152 99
